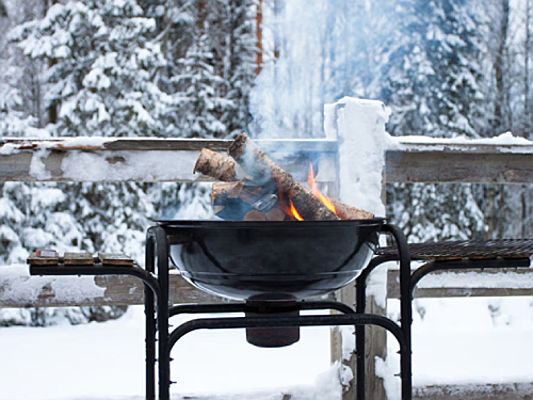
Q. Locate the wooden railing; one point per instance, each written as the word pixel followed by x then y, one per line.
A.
pixel 119 159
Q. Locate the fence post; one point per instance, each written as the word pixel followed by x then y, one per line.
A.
pixel 359 127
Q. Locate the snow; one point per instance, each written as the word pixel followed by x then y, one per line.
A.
pixel 505 139
pixel 476 280
pixel 8 148
pixel 18 286
pixel 37 167
pixel 106 361
pixel 360 126
pixel 455 341
pixel 467 341
pixel 153 165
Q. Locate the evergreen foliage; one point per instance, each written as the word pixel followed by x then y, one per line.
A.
pixel 121 68
pixel 432 79
pixel 187 68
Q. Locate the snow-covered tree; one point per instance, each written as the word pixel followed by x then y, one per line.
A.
pixel 103 67
pixel 432 74
pixel 238 48
pixel 119 68
pixel 211 44
pixel 432 84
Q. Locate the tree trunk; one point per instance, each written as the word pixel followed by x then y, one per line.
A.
pixel 3 10
pixel 259 33
pixel 500 120
pixel 527 49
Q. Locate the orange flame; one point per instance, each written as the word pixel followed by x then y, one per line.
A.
pixel 294 212
pixel 316 192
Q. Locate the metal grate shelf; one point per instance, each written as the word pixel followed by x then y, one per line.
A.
pixel 466 249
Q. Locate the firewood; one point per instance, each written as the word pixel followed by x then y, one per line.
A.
pixel 210 162
pixel 276 214
pixel 215 165
pixel 345 211
pixel 262 169
pixel 222 191
pixel 232 189
pixel 254 215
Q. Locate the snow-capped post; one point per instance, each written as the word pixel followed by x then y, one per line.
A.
pixel 359 127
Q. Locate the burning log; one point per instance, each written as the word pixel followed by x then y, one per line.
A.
pixel 262 169
pixel 255 215
pixel 345 211
pixel 269 193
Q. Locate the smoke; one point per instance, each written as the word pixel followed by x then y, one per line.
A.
pixel 316 52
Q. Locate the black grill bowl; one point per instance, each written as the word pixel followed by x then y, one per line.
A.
pixel 242 260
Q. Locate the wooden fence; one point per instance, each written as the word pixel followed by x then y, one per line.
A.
pixel 118 159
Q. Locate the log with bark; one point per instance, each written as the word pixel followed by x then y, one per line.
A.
pixel 264 178
pixel 262 169
pixel 216 165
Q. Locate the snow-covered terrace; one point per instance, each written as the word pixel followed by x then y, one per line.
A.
pixel 356 159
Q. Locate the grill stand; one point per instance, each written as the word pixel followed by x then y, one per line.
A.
pixel 152 293
pixel 409 281
pixel 157 253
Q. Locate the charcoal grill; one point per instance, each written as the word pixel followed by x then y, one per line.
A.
pixel 273 267
pixel 244 260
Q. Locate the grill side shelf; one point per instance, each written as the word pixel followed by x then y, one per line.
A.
pixel 50 258
pixel 466 249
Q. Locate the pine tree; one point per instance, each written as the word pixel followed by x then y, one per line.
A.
pixel 181 70
pixel 433 80
pixel 102 72
pixel 103 67
pixel 433 87
pixel 239 54
pixel 209 47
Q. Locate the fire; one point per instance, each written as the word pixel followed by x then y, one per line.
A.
pixel 294 212
pixel 316 192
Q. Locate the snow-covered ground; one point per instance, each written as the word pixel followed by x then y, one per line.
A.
pixel 455 341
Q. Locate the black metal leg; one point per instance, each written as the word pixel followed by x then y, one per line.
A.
pixel 162 311
pixel 406 314
pixel 150 328
pixel 405 308
pixel 360 335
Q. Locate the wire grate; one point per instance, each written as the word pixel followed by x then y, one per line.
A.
pixel 459 249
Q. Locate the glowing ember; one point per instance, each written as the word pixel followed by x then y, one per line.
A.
pixel 294 212
pixel 316 192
